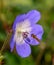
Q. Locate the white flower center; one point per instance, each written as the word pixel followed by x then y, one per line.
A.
pixel 21 27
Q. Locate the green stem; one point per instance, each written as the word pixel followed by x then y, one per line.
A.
pixel 42 49
pixel 5 42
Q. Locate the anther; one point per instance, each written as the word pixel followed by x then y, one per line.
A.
pixel 25 34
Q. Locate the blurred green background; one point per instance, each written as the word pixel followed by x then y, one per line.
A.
pixel 9 9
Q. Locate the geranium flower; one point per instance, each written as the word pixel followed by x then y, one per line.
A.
pixel 24 26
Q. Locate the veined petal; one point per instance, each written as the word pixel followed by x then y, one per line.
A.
pixel 18 19
pixel 33 16
pixel 23 50
pixel 12 43
pixel 38 31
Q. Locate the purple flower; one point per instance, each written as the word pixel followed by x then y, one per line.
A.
pixel 24 25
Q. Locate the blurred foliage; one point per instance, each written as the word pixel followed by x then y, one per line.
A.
pixel 10 59
pixel 9 9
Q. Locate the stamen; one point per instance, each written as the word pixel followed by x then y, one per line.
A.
pixel 34 36
pixel 25 36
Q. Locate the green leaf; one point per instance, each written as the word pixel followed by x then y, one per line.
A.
pixel 27 61
pixel 11 59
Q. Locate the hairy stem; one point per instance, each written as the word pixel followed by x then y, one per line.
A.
pixel 5 42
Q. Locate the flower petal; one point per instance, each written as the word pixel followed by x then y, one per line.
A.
pixel 18 19
pixel 23 50
pixel 38 31
pixel 33 16
pixel 12 43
